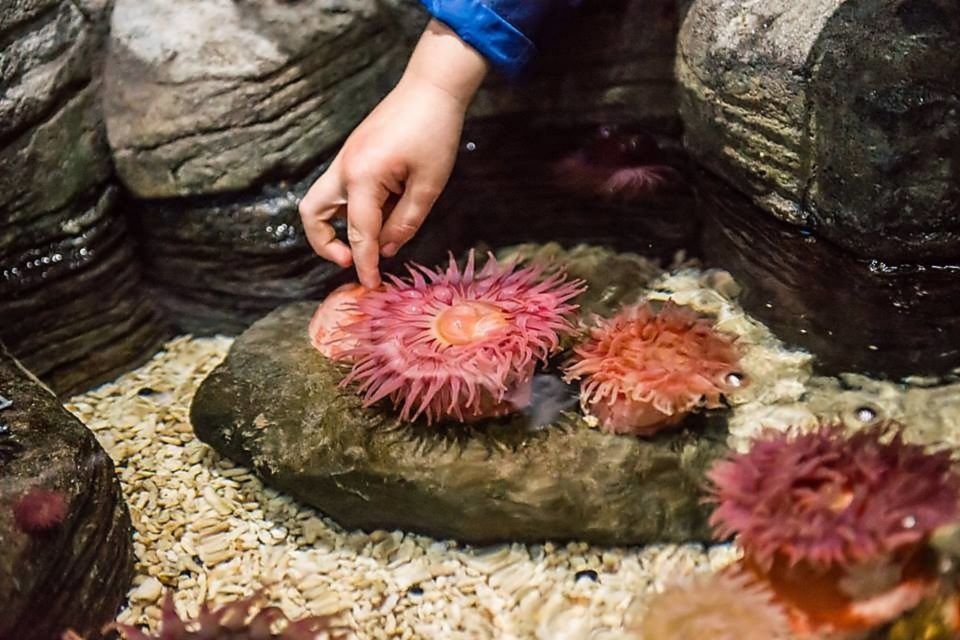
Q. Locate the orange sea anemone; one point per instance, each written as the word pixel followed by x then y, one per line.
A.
pixel 645 368
pixel 725 606
pixel 456 344
pixel 836 522
pixel 337 310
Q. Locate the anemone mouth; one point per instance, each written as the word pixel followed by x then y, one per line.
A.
pixel 469 322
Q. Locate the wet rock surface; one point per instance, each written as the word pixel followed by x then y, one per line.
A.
pixel 843 117
pixel 238 92
pixel 218 264
pixel 884 320
pixel 70 306
pixel 275 406
pixel 67 560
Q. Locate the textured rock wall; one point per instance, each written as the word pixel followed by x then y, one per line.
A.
pixel 74 572
pixel 228 93
pixel 840 115
pixel 70 303
pixel 214 126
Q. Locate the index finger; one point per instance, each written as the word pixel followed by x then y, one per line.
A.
pixel 364 218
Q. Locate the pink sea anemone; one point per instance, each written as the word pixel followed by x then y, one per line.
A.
pixel 457 344
pixel 724 606
pixel 617 164
pixel 835 522
pixel 243 619
pixel 39 510
pixel 338 310
pixel 645 368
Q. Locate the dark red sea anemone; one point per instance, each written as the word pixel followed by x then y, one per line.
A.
pixel 617 164
pixel 835 522
pixel 39 510
pixel 457 344
pixel 647 367
pixel 826 497
pixel 241 620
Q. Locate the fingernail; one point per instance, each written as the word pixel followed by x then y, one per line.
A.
pixel 390 249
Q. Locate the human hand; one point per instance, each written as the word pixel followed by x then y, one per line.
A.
pixel 396 163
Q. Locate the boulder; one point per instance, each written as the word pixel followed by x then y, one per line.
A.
pixel 231 92
pixel 67 555
pixel 275 405
pixel 842 116
pixel 70 303
pixel 47 53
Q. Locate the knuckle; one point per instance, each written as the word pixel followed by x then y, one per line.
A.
pixel 303 209
pixel 355 235
pixel 405 229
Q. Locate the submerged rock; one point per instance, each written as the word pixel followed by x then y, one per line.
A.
pixel 67 559
pixel 839 115
pixel 275 405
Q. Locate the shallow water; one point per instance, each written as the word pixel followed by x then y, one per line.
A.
pixel 826 336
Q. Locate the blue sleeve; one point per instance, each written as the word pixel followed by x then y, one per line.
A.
pixel 503 31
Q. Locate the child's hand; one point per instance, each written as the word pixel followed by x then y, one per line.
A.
pixel 396 163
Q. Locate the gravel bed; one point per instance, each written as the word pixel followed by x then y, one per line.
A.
pixel 211 531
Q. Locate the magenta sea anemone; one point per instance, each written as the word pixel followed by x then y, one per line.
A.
pixel 827 497
pixel 457 344
pixel 241 620
pixel 616 164
pixel 39 510
pixel 723 606
pixel 645 368
pixel 834 522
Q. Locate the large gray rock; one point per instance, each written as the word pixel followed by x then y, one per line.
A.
pixel 70 303
pixel 214 95
pixel 840 115
pixel 47 52
pixel 275 405
pixel 75 571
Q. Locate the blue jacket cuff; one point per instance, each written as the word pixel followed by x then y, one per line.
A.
pixel 506 48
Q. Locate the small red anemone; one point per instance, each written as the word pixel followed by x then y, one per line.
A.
pixel 39 510
pixel 617 164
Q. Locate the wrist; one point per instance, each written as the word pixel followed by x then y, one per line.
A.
pixel 443 62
